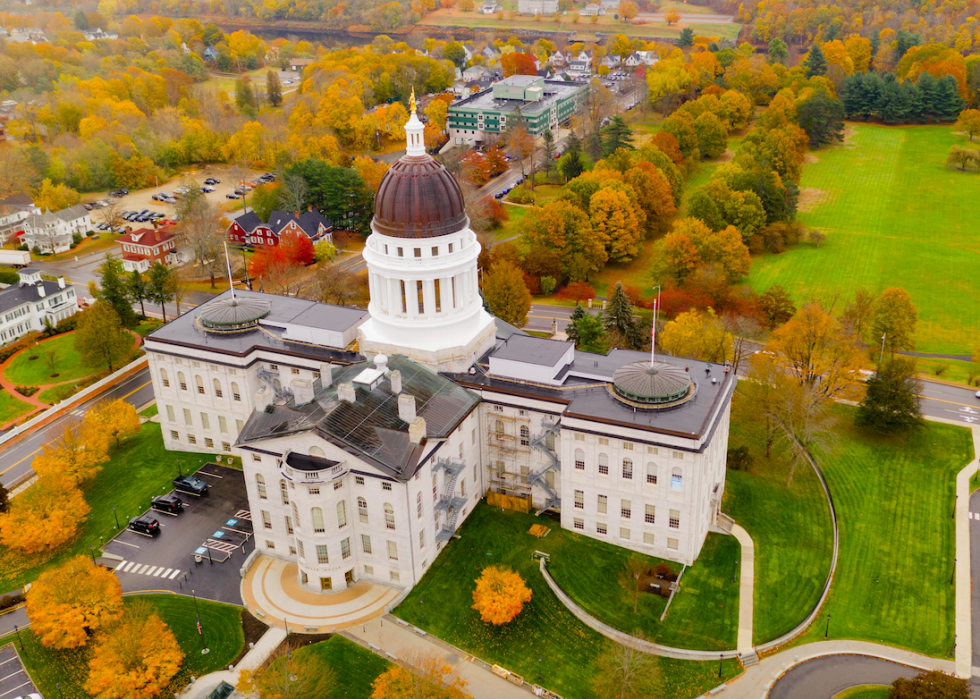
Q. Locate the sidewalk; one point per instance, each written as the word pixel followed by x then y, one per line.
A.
pixel 203 686
pixel 389 638
pixel 746 583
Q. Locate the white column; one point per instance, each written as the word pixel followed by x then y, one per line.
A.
pixel 429 292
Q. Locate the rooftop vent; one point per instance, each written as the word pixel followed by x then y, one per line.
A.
pixel 233 314
pixel 653 384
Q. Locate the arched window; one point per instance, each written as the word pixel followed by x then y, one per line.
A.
pixel 284 491
pixel 676 479
pixel 389 516
pixel 580 459
pixel 317 451
pixel 500 428
pixel 603 464
pixel 628 469
pixel 260 482
pixel 181 381
pixel 549 441
pixel 652 473
pixel 525 436
pixel 278 385
pixel 164 378
pixel 200 384
pixel 342 514
pixel 317 515
pixel 362 510
pixel 235 393
pixel 218 393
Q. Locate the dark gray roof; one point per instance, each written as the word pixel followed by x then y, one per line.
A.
pixel 505 329
pixel 327 317
pixel 309 221
pixel 29 270
pixel 304 462
pixel 248 221
pixel 15 296
pixel 531 350
pixel 186 332
pixel 370 427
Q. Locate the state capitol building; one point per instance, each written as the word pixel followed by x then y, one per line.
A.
pixel 368 436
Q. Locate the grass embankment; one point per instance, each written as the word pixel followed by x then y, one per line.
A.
pixel 865 691
pixel 893 215
pixel 138 470
pixel 12 407
pixel 544 628
pixel 355 668
pixel 894 499
pixel 67 363
pixel 790 527
pixel 63 673
pixel 952 370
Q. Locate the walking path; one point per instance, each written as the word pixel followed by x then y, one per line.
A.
pixel 746 583
pixel 259 653
pixel 398 641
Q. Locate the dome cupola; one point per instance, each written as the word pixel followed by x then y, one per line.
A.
pixel 418 198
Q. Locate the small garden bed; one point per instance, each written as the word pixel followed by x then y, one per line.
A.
pixel 55 361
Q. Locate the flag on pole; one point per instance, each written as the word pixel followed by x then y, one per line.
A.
pixel 199 631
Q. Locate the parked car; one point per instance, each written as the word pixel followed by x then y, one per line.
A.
pixel 145 524
pixel 233 196
pixel 168 503
pixel 212 180
pixel 191 484
pixel 207 189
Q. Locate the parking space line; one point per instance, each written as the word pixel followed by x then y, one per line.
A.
pixel 15 688
pixel 124 543
pixel 18 672
pixel 9 660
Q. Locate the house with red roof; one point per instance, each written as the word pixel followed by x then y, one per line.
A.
pixel 142 248
pixel 249 229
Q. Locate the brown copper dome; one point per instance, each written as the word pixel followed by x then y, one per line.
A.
pixel 418 198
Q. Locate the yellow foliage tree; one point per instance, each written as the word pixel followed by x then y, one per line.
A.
pixel 55 197
pixel 135 658
pixel 114 420
pixel 614 219
pixel 428 676
pixel 500 595
pixel 69 602
pixel 697 335
pixel 77 451
pixel 44 516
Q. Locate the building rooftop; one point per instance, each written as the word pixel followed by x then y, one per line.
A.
pixel 531 350
pixel 15 296
pixel 554 91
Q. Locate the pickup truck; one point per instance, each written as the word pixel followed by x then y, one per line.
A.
pixel 191 485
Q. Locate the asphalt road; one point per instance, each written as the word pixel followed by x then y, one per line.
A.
pixel 825 677
pixel 16 459
pixel 689 19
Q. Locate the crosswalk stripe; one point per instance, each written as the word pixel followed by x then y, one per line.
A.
pixel 160 572
pixel 121 564
pixel 130 566
pixel 176 573
pixel 141 570
pixel 150 571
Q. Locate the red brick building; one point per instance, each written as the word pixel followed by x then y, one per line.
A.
pixel 249 229
pixel 146 246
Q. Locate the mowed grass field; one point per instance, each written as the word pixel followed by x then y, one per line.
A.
pixel 893 216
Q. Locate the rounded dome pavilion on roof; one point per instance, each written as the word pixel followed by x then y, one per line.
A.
pixel 233 314
pixel 418 198
pixel 654 384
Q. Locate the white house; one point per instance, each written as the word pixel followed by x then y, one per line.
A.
pixel 14 210
pixel 592 9
pixel 475 73
pixel 33 302
pixel 361 465
pixel 490 7
pixel 537 7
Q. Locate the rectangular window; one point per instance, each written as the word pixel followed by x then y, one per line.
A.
pixel 386 485
pixel 652 450
pixel 209 443
pixel 358 480
pixel 314 490
pixel 192 439
pixel 338 484
pixel 389 519
pixel 678 455
pixel 421 297
pixel 579 500
pixel 187 418
pixel 226 447
pixel 650 514
pixel 525 473
pixel 627 469
pixel 579 437
pixel 578 523
pixel 401 252
pixel 369 570
pixel 170 413
pixel 603 468
pixel 602 504
pixel 450 248
pixel 672 544
pixel 651 474
pixel 422 539
pixel 302 550
pixel 345 548
pixel 418 252
pixel 600 528
pixel 648 538
pixel 269 544
pixel 675 519
pixel 205 423
pixel 295 371
pixel 603 441
pixel 392 551
pixel 266 520
pixel 238 426
pixel 321 554
pixel 174 436
pixel 292 550
pixel 628 446
pixel 676 481
pixel 256 457
pixel 366 543
pixel 435 251
pixel 289 524
pixel 625 508
pixel 624 533
pixel 402 283
pixel 438 295
pixel 395 577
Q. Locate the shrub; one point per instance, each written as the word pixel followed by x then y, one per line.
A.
pixel 8 601
pixel 500 595
pixel 548 285
pixel 577 291
pixel 739 458
pixel 520 195
pixel 664 572
pixel 27 390
pixel 532 283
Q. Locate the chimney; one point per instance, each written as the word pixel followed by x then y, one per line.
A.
pixel 61 282
pixel 326 375
pixel 40 290
pixel 263 398
pixel 345 392
pixel 310 207
pixel 416 430
pixel 381 363
pixel 396 381
pixel 297 213
pixel 406 407
pixel 302 391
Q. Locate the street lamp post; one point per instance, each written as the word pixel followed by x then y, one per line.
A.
pixel 827 630
pixel 200 628
pixel 953 576
pixel 17 633
pixel 422 605
pixel 248 282
pixel 539 670
pixel 721 663
pixel 115 516
pixel 91 550
pixel 179 473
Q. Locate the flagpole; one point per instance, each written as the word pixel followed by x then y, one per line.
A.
pixel 200 630
pixel 653 328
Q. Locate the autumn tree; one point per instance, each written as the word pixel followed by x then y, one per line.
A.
pixel 893 319
pixel 289 672
pixel 66 604
pixel 507 294
pixel 518 63
pixel 100 339
pixel 624 672
pixel 777 306
pixel 672 17
pixel 712 135
pixel 630 579
pixel 766 380
pixel 273 88
pixel 113 419
pixel 804 420
pixel 614 220
pixel 44 516
pixel 930 685
pixel 520 146
pixel 969 122
pixel 161 286
pixel 500 595
pixel 202 228
pixel 697 335
pixel 891 402
pixel 137 657
pixel 428 676
pixel 77 450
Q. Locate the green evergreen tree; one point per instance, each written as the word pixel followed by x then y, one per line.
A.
pixel 161 286
pixel 114 290
pixel 139 290
pixel 903 42
pixel 686 39
pixel 816 62
pixel 619 320
pixel 822 118
pixel 947 103
pixel 244 96
pixel 572 163
pixel 273 88
pixel 892 401
pixel 81 21
pixel 875 43
pixel 617 134
pixel 572 329
pixel 590 334
pixel 778 51
pixel 547 152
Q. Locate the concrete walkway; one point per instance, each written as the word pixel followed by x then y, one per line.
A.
pixel 964 592
pixel 390 638
pixel 260 652
pixel 746 584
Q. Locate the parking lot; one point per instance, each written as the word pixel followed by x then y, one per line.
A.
pixel 14 682
pixel 216 527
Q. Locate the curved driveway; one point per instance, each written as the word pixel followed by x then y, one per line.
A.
pixel 824 677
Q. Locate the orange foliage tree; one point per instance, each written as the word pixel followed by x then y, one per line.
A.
pixel 69 602
pixel 428 676
pixel 500 595
pixel 77 451
pixel 114 419
pixel 517 63
pixel 135 658
pixel 44 516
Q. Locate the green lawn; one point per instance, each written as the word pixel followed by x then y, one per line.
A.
pixel 954 370
pixel 12 408
pixel 790 527
pixel 24 371
pixel 63 673
pixel 865 691
pixel 544 628
pixel 355 668
pixel 509 228
pixel 895 499
pixel 145 327
pixel 893 215
pixel 137 471
pixel 151 411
